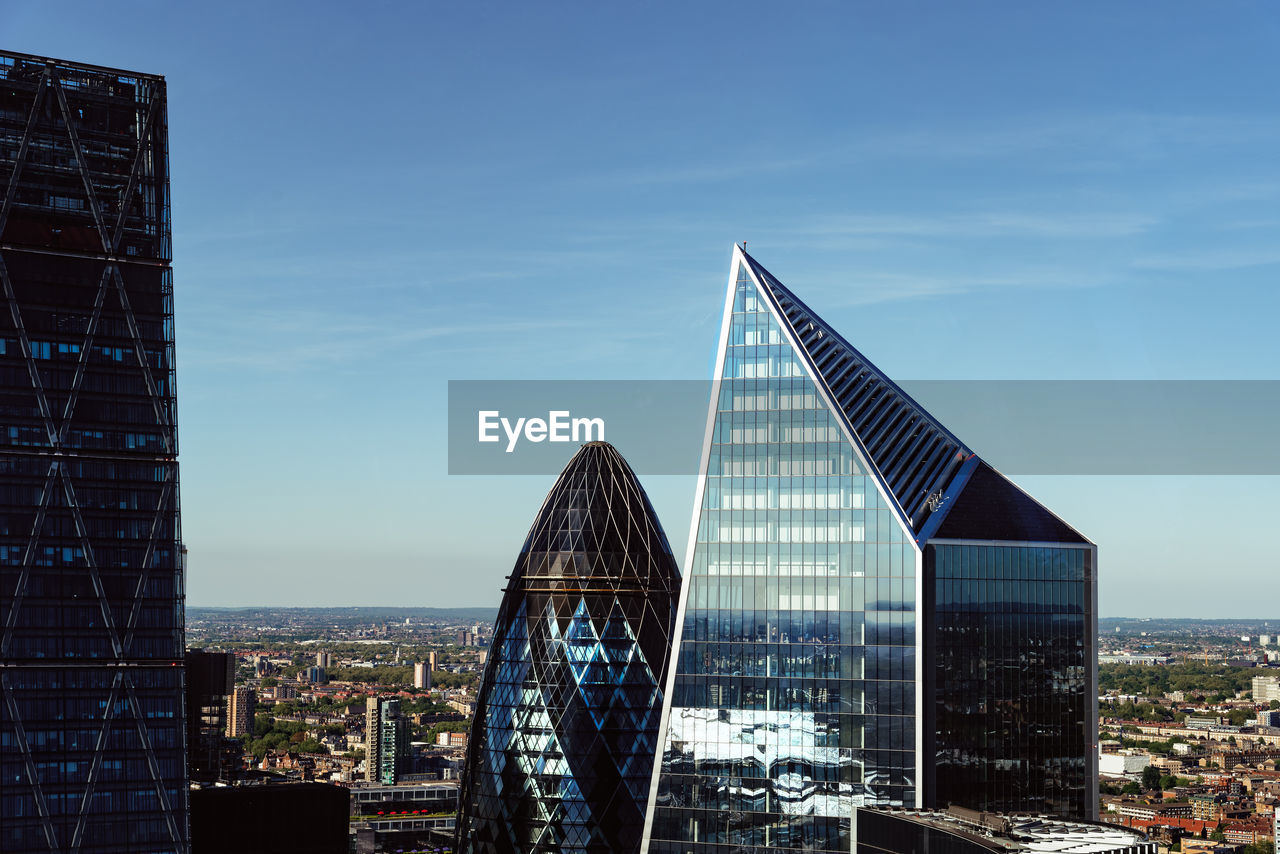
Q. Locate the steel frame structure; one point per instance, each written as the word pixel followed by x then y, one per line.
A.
pixel 91 565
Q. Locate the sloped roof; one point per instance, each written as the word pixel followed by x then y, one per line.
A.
pixel 923 466
pixel 991 507
pixel 914 454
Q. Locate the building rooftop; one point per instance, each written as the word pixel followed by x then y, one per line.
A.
pixel 1009 832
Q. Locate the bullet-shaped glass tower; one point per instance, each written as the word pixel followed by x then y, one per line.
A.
pixel 562 748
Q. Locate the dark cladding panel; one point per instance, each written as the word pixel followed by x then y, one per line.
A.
pixel 990 507
pixel 210 673
pixel 276 818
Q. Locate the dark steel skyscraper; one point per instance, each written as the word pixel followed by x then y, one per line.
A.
pixel 562 749
pixel 871 614
pixel 91 575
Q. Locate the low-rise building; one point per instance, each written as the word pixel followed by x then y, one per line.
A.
pixel 1208 846
pixel 964 831
pixel 1129 764
pixel 1266 689
pixel 451 739
pixel 1204 806
pixel 1248 832
pixel 1228 759
pixel 463 706
pixel 407 816
pixel 1171 809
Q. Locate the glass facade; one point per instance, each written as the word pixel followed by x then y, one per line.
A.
pixel 91 575
pixel 811 646
pixel 562 748
pixel 210 678
pixel 794 695
pixel 1012 642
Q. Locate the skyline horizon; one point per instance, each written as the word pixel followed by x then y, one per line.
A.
pixel 495 608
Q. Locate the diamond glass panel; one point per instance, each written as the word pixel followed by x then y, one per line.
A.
pixel 562 750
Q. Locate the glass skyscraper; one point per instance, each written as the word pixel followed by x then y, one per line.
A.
pixel 872 615
pixel 562 748
pixel 91 575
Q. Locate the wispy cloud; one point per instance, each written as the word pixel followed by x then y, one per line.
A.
pixel 1056 142
pixel 293 341
pixel 874 287
pixel 977 224
pixel 1209 259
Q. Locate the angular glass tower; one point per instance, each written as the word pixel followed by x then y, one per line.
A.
pixel 562 748
pixel 91 576
pixel 872 615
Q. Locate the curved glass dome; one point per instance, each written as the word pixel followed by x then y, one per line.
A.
pixel 566 726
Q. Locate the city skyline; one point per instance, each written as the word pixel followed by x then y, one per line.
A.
pixel 1083 212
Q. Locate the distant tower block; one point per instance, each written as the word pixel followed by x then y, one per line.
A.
pixel 241 706
pixel 422 676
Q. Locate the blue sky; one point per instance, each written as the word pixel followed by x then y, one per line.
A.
pixel 368 203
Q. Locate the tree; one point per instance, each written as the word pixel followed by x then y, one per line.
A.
pixel 447 726
pixel 1239 717
pixel 1151 777
pixel 1131 788
pixel 1274 704
pixel 270 682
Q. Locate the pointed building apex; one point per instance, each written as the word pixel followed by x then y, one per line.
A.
pixel 920 464
pixel 912 454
